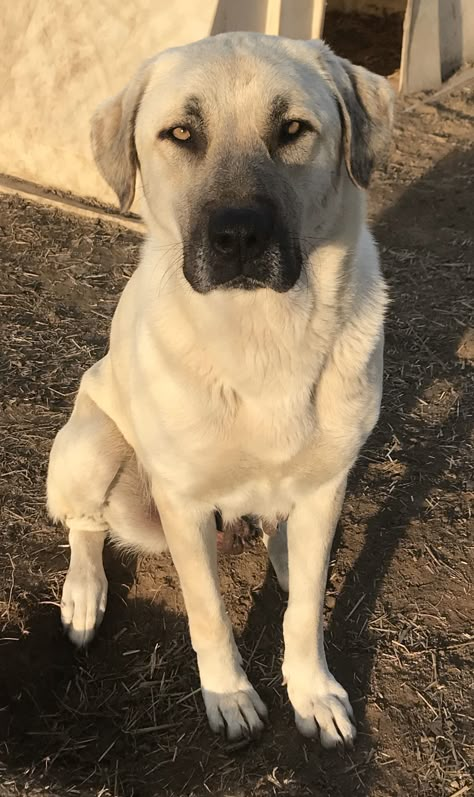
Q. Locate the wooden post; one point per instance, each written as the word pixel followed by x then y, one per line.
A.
pixel 319 12
pixel 272 22
pixel 420 68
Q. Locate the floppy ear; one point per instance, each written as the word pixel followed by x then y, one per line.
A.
pixel 113 137
pixel 365 103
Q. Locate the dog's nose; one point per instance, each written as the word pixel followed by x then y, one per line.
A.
pixel 240 234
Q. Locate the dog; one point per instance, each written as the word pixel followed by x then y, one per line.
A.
pixel 244 371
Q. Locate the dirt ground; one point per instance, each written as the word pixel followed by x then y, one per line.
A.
pixel 125 719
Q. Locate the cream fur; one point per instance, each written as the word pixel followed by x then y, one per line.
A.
pixel 253 402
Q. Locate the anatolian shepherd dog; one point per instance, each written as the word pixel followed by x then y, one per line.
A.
pixel 245 363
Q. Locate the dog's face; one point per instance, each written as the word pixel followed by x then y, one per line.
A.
pixel 242 142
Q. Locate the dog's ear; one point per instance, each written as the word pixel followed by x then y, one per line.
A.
pixel 365 103
pixel 113 137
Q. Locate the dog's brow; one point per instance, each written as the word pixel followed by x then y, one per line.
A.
pixel 193 110
pixel 279 109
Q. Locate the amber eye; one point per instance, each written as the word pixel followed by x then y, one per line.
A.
pixel 181 133
pixel 293 128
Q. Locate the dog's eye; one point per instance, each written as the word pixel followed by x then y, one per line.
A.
pixel 180 133
pixel 291 130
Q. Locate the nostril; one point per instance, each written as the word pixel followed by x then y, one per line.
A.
pixel 240 233
pixel 224 241
pixel 252 240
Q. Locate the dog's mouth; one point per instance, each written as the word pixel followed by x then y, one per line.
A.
pixel 278 269
pixel 243 283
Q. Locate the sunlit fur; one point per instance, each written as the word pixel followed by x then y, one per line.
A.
pixel 255 402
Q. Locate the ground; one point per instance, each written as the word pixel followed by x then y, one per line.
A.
pixel 125 719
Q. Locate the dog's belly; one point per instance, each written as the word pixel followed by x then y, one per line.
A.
pixel 260 497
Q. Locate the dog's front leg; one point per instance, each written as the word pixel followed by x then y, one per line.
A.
pixel 84 594
pixel 233 707
pixel 318 699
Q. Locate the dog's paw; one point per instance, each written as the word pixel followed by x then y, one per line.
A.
pixel 322 705
pixel 83 603
pixel 236 715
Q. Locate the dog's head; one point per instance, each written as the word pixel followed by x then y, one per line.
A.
pixel 242 142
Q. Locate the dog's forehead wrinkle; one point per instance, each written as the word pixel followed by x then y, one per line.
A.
pixel 279 108
pixel 256 80
pixel 193 107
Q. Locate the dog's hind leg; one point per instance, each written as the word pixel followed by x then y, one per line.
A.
pixel 86 457
pixel 131 513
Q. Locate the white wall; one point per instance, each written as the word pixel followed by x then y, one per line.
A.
pixel 60 58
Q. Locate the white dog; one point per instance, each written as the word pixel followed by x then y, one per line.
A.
pixel 245 363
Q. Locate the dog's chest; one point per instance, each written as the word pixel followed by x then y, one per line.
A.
pixel 274 428
pixel 240 454
pixel 232 431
